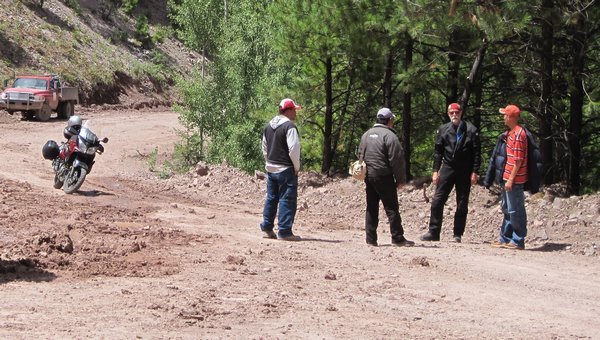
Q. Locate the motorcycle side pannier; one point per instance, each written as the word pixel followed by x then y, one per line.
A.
pixel 50 150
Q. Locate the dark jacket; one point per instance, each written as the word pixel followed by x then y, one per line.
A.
pixel 495 168
pixel 466 156
pixel 380 148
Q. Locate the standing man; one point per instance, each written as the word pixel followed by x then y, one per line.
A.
pixel 281 149
pixel 456 161
pixel 382 152
pixel 514 224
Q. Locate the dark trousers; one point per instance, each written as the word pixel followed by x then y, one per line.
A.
pixel 382 189
pixel 461 181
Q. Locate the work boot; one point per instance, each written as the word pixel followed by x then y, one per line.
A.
pixel 289 238
pixel 403 243
pixel 429 237
pixel 269 234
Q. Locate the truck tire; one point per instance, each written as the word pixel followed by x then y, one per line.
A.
pixel 66 110
pixel 43 115
pixel 27 115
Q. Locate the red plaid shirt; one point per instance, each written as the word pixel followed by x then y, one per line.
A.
pixel 516 149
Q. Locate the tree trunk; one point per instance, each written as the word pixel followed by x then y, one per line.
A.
pixel 477 107
pixel 545 104
pixel 387 80
pixel 453 66
pixel 328 128
pixel 472 78
pixel 406 108
pixel 577 96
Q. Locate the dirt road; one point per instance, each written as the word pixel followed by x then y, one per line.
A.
pixel 132 255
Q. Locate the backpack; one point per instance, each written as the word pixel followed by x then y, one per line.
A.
pixel 535 167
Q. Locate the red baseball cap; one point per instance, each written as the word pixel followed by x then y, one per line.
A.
pixel 454 107
pixel 288 103
pixel 511 111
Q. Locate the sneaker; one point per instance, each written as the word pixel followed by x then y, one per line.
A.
pixel 289 238
pixel 269 234
pixel 513 246
pixel 457 239
pixel 429 237
pixel 497 244
pixel 403 243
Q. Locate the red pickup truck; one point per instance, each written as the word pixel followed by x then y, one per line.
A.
pixel 39 96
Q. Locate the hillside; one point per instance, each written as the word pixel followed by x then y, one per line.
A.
pixel 100 53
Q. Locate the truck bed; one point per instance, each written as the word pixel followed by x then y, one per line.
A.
pixel 69 93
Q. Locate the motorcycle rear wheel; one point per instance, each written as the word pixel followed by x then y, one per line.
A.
pixel 74 180
pixel 57 182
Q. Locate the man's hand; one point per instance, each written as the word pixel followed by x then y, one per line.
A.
pixel 508 185
pixel 474 178
pixel 435 178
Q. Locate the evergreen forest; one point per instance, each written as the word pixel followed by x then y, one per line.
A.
pixel 342 60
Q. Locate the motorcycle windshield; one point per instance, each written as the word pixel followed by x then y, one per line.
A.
pixel 86 134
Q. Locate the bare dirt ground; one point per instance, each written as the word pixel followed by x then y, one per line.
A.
pixel 135 256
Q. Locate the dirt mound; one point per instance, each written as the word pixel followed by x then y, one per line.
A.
pixel 84 239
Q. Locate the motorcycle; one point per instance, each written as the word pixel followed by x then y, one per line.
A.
pixel 72 161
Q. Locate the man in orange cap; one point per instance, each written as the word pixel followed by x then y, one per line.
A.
pixel 514 177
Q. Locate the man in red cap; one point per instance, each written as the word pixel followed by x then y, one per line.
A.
pixel 514 177
pixel 456 161
pixel 281 149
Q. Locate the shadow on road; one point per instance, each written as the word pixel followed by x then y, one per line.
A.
pixel 548 247
pixel 23 270
pixel 311 239
pixel 94 193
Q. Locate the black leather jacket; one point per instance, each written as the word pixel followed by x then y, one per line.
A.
pixel 466 156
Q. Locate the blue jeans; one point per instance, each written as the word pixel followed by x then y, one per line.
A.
pixel 282 191
pixel 514 225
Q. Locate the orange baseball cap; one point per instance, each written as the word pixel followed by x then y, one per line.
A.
pixel 511 111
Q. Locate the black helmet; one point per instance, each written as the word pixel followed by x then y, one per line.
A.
pixel 50 150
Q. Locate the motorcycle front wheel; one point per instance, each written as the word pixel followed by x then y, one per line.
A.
pixel 74 180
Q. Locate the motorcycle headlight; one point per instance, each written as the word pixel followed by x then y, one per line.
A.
pixel 88 150
pixel 91 150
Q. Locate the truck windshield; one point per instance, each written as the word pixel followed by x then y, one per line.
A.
pixel 30 83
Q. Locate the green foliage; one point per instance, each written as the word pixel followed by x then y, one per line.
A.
pixel 161 33
pixel 187 152
pixel 239 146
pixel 142 31
pixel 107 8
pixel 74 5
pixel 128 6
pixel 164 170
pixel 198 22
pixel 262 52
pixel 152 156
